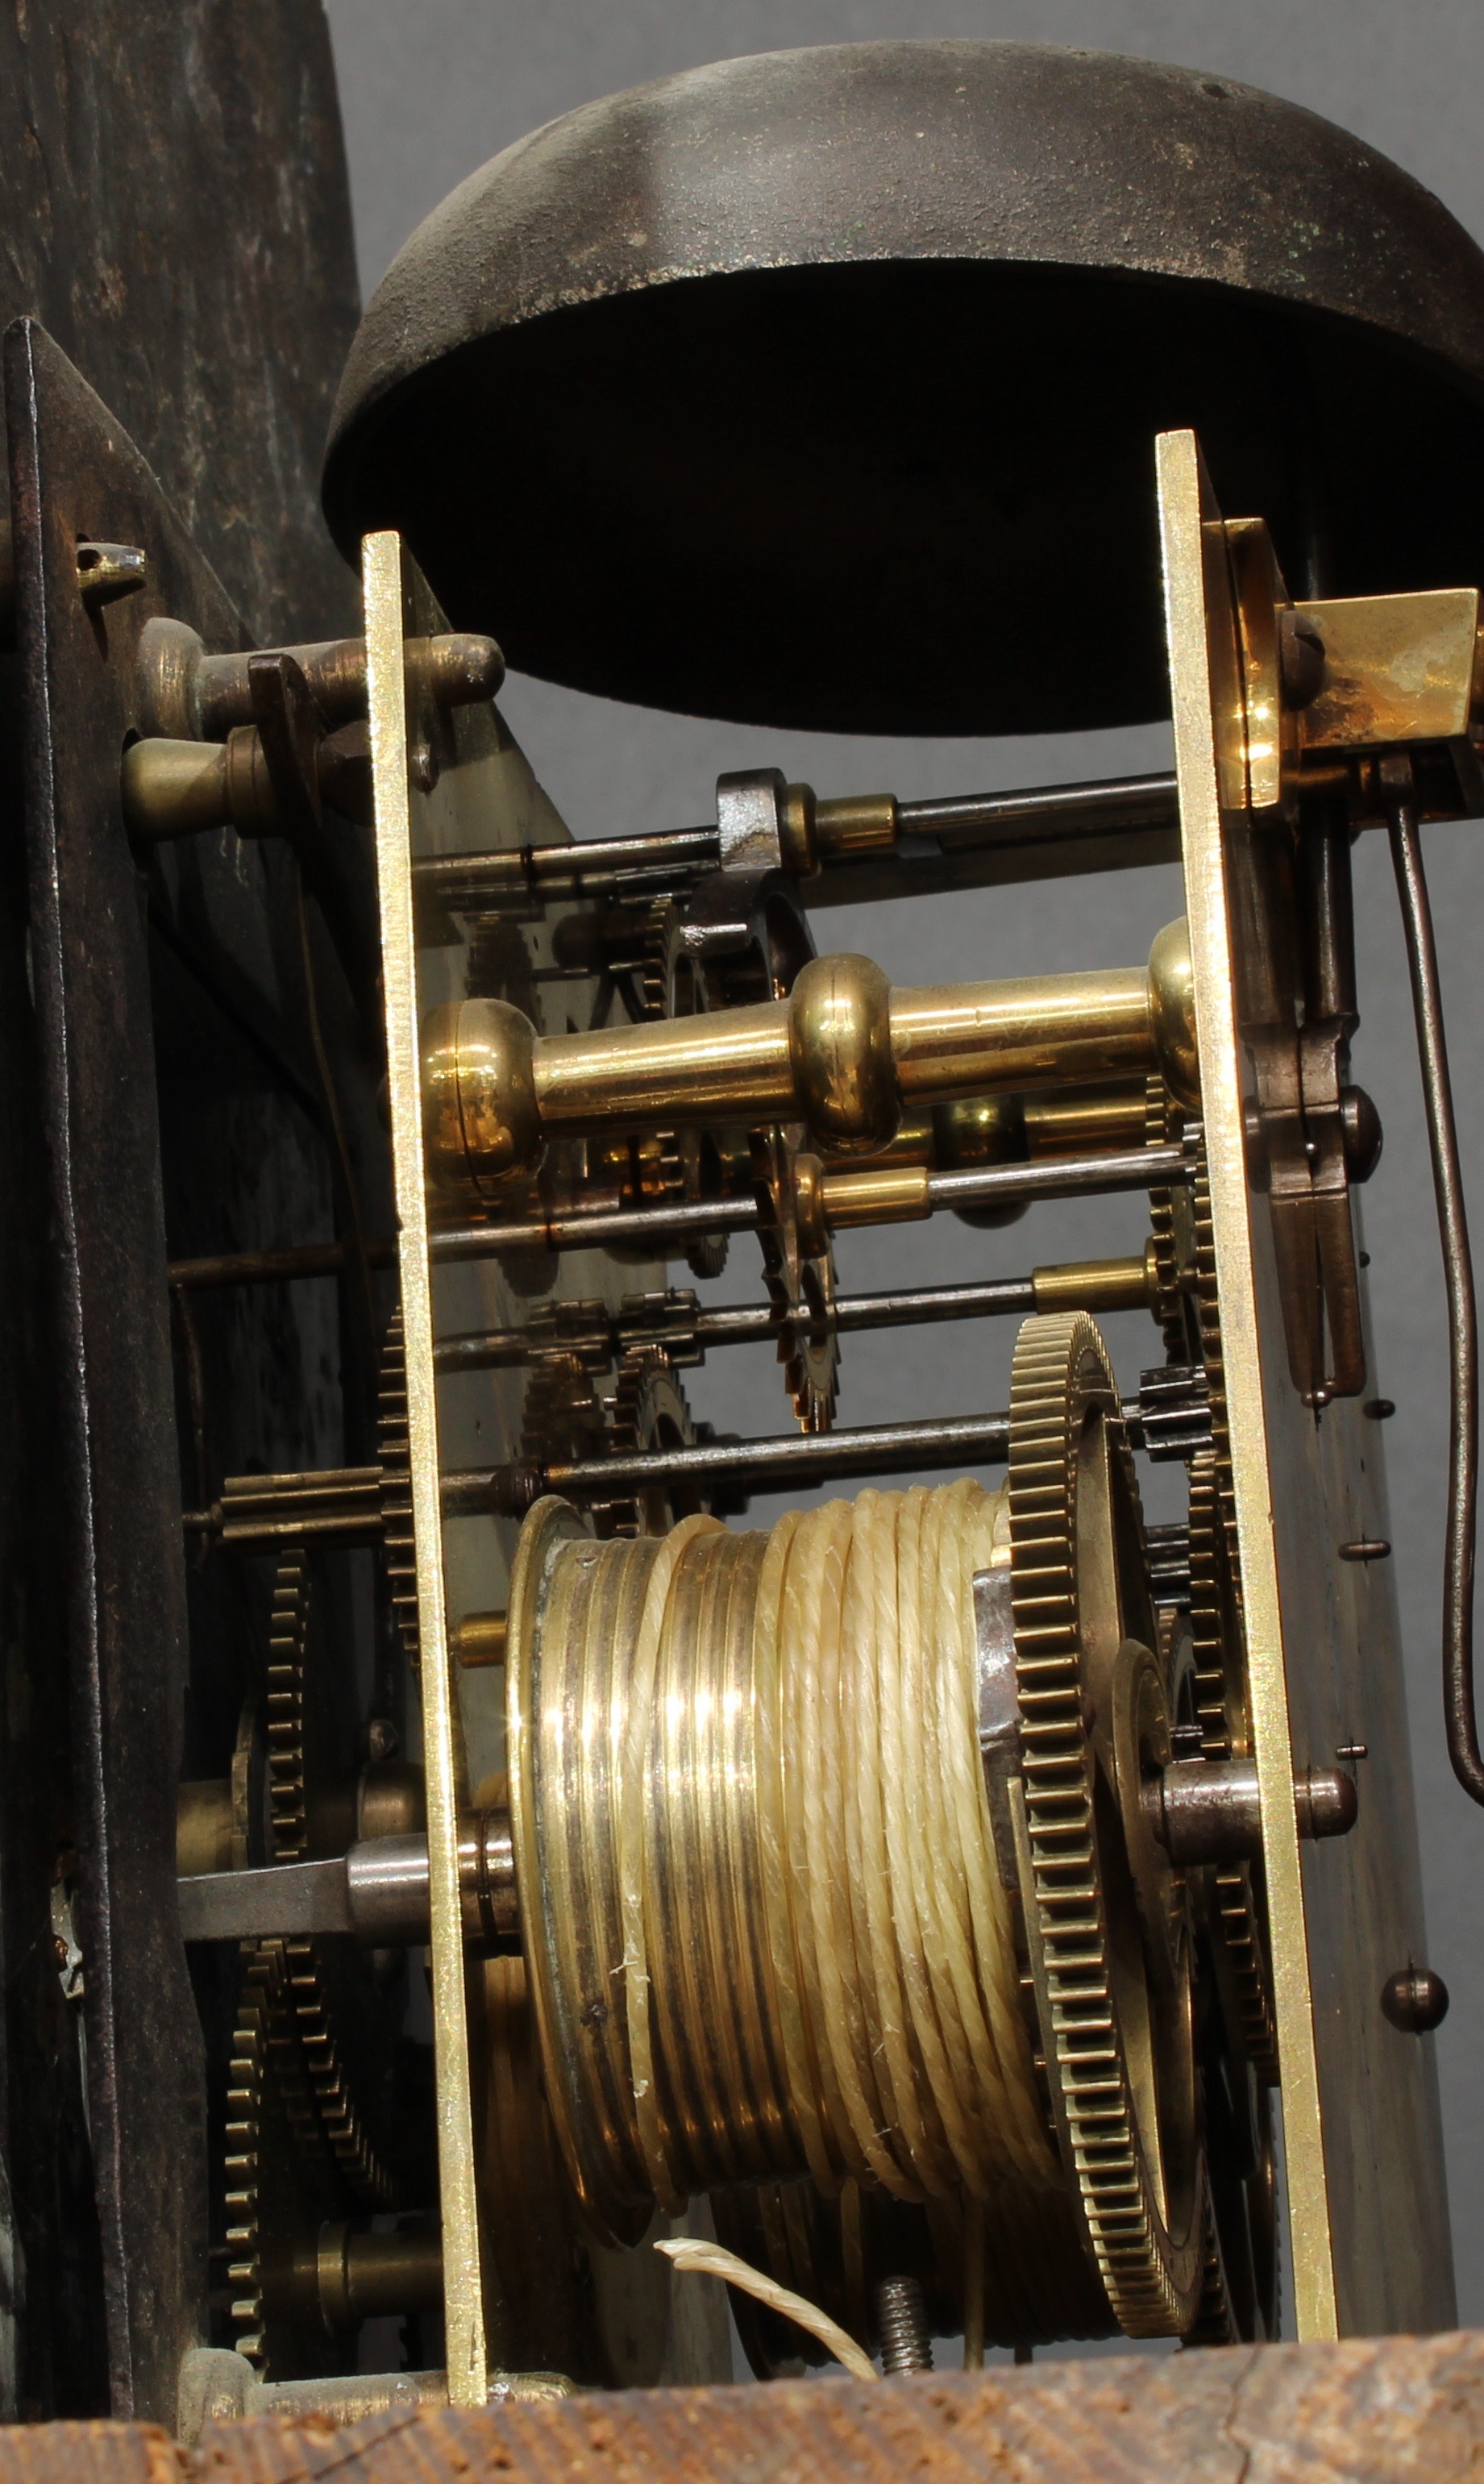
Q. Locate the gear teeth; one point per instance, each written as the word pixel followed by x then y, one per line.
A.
pixel 288 1815
pixel 1162 1123
pixel 650 1412
pixel 247 2075
pixel 671 1175
pixel 802 1287
pixel 1215 2321
pixel 1060 1370
pixel 395 1458
pixel 282 2030
pixel 1212 1354
pixel 1219 1639
pixel 653 975
pixel 1211 1611
pixel 323 2067
pixel 1237 1918
pixel 564 1419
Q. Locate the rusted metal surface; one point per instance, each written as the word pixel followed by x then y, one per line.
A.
pixel 881 336
pixel 1356 2414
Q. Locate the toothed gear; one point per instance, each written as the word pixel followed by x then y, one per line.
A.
pixel 679 1159
pixel 1215 2323
pixel 1218 1629
pixel 564 1422
pixel 800 1282
pixel 399 1555
pixel 1075 1591
pixel 1241 2297
pixel 655 992
pixel 259 2146
pixel 563 1417
pixel 288 2092
pixel 1170 1229
pixel 1215 1618
pixel 650 1413
pixel 1208 1307
pixel 287 1639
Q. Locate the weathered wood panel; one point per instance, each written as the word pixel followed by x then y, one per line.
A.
pixel 1357 2413
pixel 174 208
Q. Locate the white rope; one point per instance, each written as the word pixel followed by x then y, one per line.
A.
pixel 696 2258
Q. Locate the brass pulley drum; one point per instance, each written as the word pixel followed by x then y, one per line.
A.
pixel 815 388
pixel 838 1865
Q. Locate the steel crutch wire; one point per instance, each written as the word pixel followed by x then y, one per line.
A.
pixel 1458 1700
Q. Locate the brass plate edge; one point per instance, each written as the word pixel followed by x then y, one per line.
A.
pixel 1182 548
pixel 463 2292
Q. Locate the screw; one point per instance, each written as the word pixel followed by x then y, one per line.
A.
pixel 1365 1548
pixel 901 2323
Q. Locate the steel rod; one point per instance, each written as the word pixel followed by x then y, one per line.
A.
pixel 1115 803
pixel 1056 1178
pixel 794 1457
pixel 455 880
pixel 1045 813
pixel 1053 1177
pixel 271 1267
pixel 590 1232
pixel 282 1509
pixel 1458 1696
pixel 856 1311
pixel 756 1323
pixel 1060 1177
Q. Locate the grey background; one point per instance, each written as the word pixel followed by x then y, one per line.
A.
pixel 429 92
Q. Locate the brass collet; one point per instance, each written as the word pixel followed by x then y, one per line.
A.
pixel 846 1054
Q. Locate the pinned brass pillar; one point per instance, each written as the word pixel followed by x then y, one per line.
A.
pixel 844 1054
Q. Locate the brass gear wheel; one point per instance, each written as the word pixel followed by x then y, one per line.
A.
pixel 563 1420
pixel 650 1412
pixel 287 2079
pixel 1170 1229
pixel 394 1452
pixel 1212 1354
pixel 563 1417
pixel 1106 1917
pixel 656 959
pixel 288 1830
pixel 1216 2322
pixel 1218 1630
pixel 1239 2292
pixel 800 1274
pixel 1215 1615
pixel 270 2135
pixel 680 1154
pixel 1240 2300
